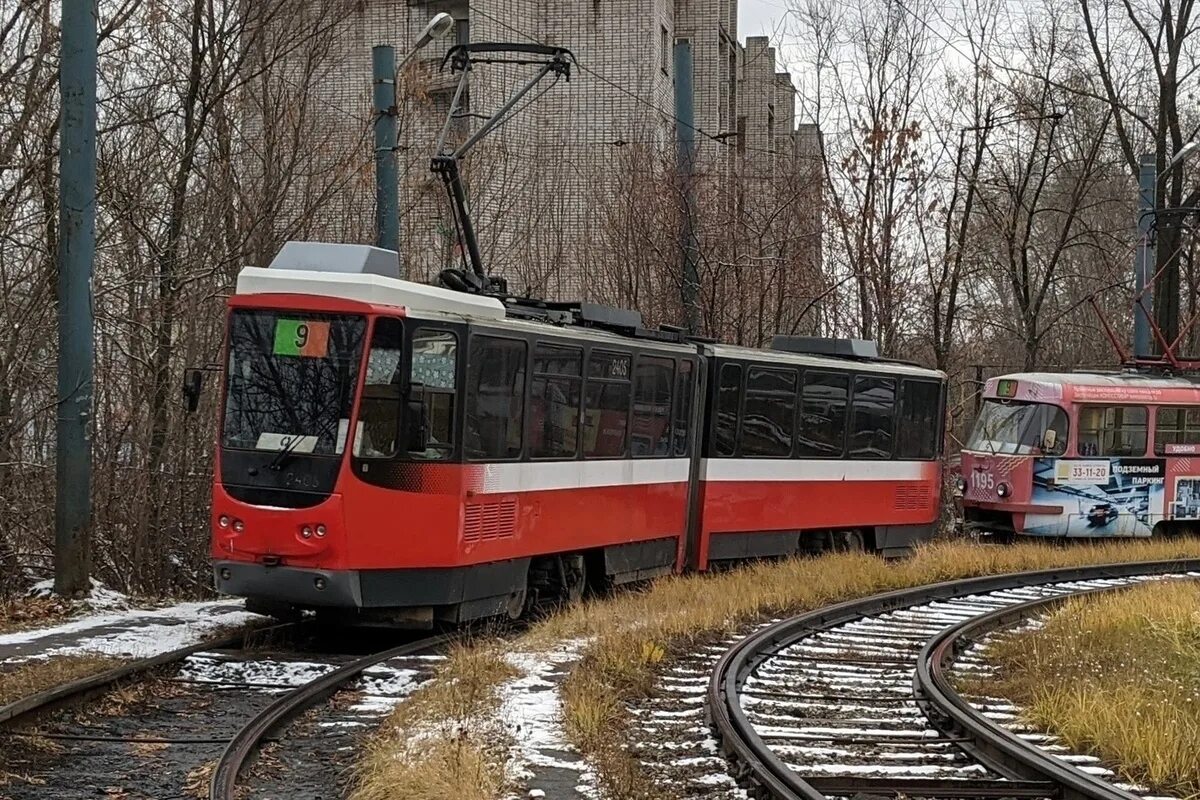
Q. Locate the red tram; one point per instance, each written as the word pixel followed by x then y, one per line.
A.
pixel 395 452
pixel 1084 455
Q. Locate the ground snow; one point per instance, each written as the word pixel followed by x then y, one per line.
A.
pixel 100 598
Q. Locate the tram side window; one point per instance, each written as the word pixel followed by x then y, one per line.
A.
pixel 873 417
pixel 606 405
pixel 1177 426
pixel 651 434
pixel 1112 431
pixel 769 419
pixel 684 388
pixel 823 414
pixel 377 434
pixel 729 395
pixel 917 423
pixel 434 369
pixel 495 398
pixel 554 401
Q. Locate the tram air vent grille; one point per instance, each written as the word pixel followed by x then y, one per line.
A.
pixel 913 497
pixel 487 522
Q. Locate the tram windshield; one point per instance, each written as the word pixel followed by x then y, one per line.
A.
pixel 291 380
pixel 1019 428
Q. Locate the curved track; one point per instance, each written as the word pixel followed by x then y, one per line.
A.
pixel 856 698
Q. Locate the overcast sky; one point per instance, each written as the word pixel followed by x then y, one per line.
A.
pixel 761 18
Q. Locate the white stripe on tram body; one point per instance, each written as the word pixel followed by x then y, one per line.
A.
pixel 809 470
pixel 545 476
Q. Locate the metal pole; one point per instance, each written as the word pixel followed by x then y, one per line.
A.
pixel 387 179
pixel 1143 257
pixel 76 251
pixel 685 156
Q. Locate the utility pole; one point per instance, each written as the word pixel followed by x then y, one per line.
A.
pixel 1143 256
pixel 685 159
pixel 387 179
pixel 76 251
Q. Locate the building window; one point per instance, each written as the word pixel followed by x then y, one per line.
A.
pixel 665 40
pixel 1112 431
pixel 495 398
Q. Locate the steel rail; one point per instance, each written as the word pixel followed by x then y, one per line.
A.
pixel 102 680
pixel 247 740
pixel 753 760
pixel 953 715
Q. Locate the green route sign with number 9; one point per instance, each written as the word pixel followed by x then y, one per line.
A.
pixel 294 337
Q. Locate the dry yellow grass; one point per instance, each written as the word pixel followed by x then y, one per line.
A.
pixel 1119 676
pixel 22 613
pixel 36 676
pixel 444 742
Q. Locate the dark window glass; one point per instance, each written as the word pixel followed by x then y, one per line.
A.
pixel 606 405
pixel 685 386
pixel 554 401
pixel 291 380
pixel 770 412
pixel 433 371
pixel 495 398
pixel 918 426
pixel 1006 426
pixel 377 434
pixel 1112 431
pixel 729 395
pixel 872 417
pixel 651 434
pixel 1176 426
pixel 823 414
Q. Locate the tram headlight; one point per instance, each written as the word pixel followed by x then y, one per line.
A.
pixel 321 531
pixel 1003 489
pixel 320 584
pixel 962 485
pixel 306 532
pixel 223 521
pixel 238 526
pixel 226 574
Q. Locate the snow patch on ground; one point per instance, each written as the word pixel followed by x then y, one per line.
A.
pixel 531 711
pixel 100 598
pixel 137 633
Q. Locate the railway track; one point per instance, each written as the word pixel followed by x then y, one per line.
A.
pixel 194 719
pixel 859 698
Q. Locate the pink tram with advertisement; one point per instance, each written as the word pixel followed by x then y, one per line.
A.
pixel 1084 455
pixel 399 453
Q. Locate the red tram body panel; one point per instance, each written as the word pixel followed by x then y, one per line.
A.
pixel 398 452
pixel 1084 455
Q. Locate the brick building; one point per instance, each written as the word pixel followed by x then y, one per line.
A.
pixel 576 195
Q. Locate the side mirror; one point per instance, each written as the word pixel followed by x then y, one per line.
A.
pixel 193 385
pixel 1049 439
pixel 416 426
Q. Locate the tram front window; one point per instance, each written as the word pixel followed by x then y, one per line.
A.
pixel 1019 429
pixel 291 381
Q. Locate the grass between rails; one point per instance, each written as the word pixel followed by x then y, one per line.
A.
pixel 39 675
pixel 443 742
pixel 1116 675
pixel 454 749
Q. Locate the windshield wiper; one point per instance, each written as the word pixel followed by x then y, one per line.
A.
pixel 286 452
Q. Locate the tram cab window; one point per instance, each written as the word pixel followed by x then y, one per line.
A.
pixel 495 398
pixel 606 405
pixel 684 388
pixel 1112 431
pixel 554 401
pixel 872 418
pixel 823 414
pixel 377 434
pixel 1005 426
pixel 918 424
pixel 651 433
pixel 1176 426
pixel 769 419
pixel 433 367
pixel 729 396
